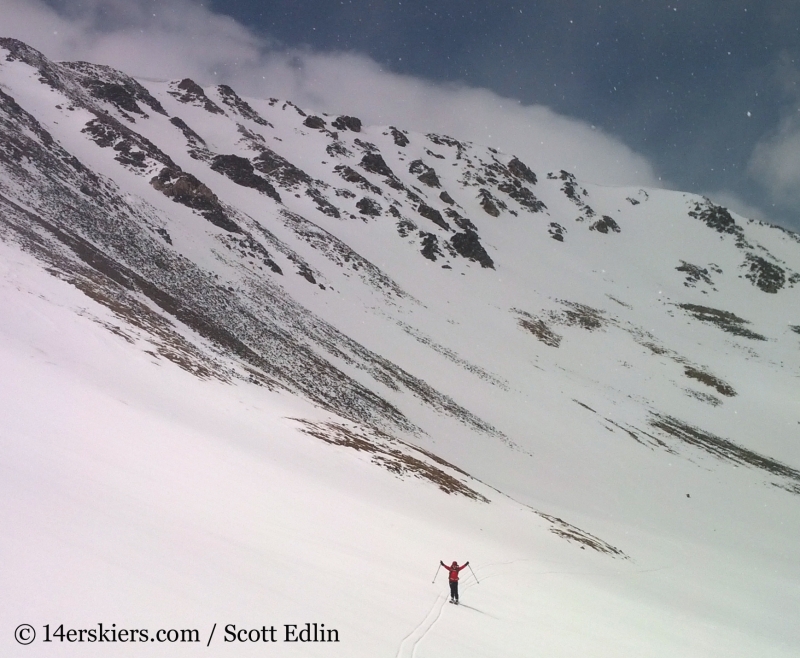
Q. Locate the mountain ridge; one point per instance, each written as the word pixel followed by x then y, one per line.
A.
pixel 437 308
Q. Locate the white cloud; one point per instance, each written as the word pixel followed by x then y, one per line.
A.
pixel 356 85
pixel 181 38
pixel 775 163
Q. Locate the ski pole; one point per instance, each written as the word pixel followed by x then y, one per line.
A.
pixel 437 573
pixel 474 576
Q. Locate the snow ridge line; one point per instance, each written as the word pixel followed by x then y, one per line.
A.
pixel 408 647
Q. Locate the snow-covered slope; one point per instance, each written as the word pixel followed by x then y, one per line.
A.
pixel 265 366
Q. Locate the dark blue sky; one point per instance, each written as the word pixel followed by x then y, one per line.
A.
pixel 673 80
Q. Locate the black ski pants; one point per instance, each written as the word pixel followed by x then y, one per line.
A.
pixel 454 590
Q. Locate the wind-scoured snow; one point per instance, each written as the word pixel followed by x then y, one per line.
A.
pixel 266 366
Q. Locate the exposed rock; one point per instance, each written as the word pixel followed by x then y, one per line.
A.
pixel 117 95
pixel 521 170
pixel 434 215
pixel 570 186
pixel 399 138
pixel 461 222
pixel 444 140
pixel 253 140
pixel 715 217
pixel 367 147
pixel 132 149
pixel 707 398
pixel 191 136
pixel 708 379
pixel 405 227
pixel 572 533
pixel 430 246
pixel 604 225
pixel 189 92
pixel 429 178
pixel 394 455
pixel 556 231
pixel 374 163
pixel 370 207
pixel 417 167
pixel 581 315
pixel 281 170
pixel 337 149
pixel 444 196
pixel 468 245
pixel 694 273
pixel 538 328
pixel 164 234
pixel 107 84
pixel 763 274
pixel 352 176
pixel 725 320
pixel 187 190
pixel 242 107
pixel 489 203
pixel 294 107
pixel 315 122
pixel 522 195
pixel 347 123
pixel 722 448
pixel 323 205
pixel 240 171
pixel 49 73
pixel 306 272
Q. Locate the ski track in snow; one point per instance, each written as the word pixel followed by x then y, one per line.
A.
pixel 408 647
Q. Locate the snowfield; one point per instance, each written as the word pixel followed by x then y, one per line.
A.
pixel 265 368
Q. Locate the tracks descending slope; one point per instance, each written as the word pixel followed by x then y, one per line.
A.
pixel 408 647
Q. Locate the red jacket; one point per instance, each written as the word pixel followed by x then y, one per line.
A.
pixel 454 570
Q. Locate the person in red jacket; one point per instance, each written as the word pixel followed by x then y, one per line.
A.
pixel 454 569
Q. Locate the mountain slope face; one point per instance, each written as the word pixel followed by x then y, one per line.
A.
pixel 590 351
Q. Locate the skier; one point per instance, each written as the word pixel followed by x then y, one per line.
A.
pixel 454 569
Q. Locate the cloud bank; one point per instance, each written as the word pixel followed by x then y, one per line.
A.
pixel 182 38
pixel 775 162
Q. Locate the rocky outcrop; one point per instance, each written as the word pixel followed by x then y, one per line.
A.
pixel 347 123
pixel 434 215
pixel 374 163
pixel 240 171
pixel 230 98
pixel 187 190
pixel 605 224
pixel 314 122
pixel 189 92
pixel 369 207
pixel 468 245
